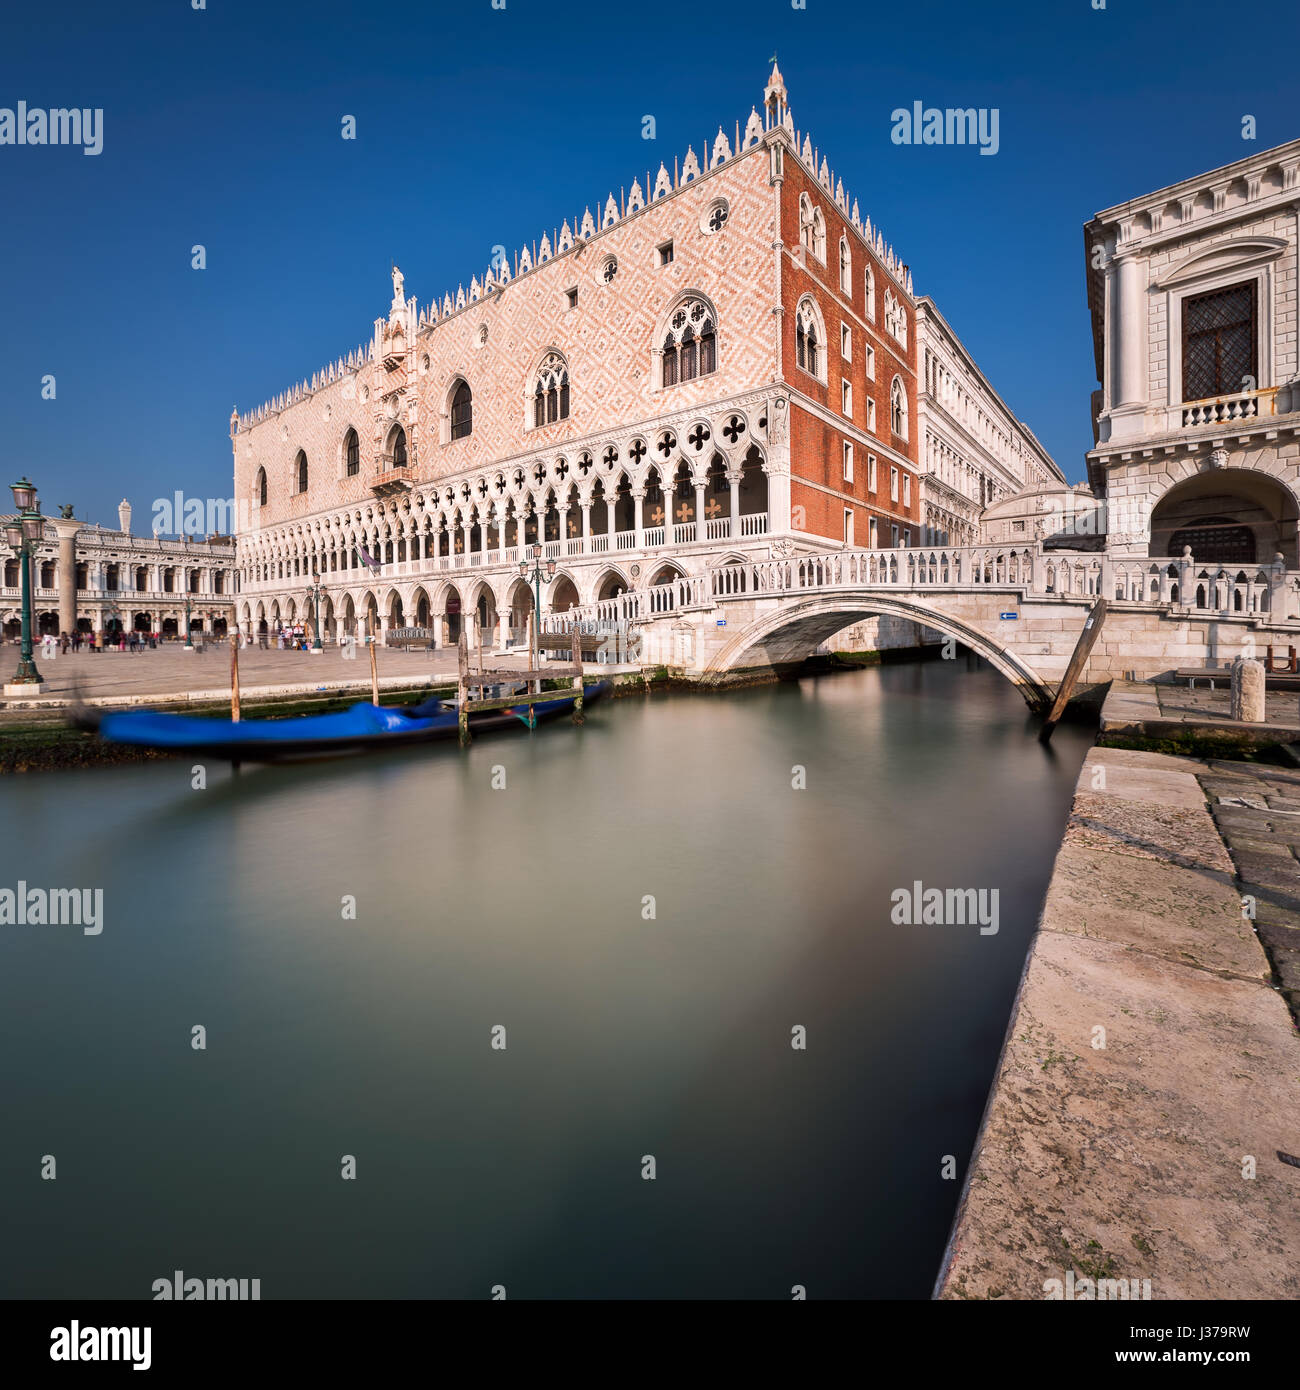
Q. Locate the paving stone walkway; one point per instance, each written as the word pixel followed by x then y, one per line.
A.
pixel 1257 812
pixel 1150 1081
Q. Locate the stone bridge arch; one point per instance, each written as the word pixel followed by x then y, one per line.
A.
pixel 791 632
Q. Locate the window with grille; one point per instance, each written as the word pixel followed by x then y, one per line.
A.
pixel 1219 342
pixel 1218 541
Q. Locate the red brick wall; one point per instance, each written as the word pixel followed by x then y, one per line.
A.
pixel 816 447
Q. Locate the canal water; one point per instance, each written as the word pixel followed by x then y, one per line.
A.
pixel 650 906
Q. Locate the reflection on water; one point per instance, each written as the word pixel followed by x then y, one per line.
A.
pixel 628 1034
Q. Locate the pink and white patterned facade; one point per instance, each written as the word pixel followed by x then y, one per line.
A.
pixel 618 395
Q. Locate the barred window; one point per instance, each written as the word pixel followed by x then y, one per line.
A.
pixel 1219 342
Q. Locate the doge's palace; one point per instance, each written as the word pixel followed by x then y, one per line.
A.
pixel 720 365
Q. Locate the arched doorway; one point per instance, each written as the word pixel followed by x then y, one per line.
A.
pixel 611 585
pixel 485 611
pixel 521 608
pixel 452 613
pixel 753 491
pixel 1230 516
pixel 564 595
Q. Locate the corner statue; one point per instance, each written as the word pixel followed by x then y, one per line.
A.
pixel 398 281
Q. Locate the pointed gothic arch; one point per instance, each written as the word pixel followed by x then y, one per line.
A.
pixel 549 392
pixel 810 338
pixel 687 339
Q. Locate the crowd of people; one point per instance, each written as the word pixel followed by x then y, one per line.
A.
pixel 285 639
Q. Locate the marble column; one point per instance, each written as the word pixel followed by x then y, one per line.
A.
pixel 67 574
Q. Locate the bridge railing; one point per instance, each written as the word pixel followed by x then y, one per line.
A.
pixel 1165 581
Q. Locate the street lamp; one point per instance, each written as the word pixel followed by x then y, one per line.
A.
pixel 189 640
pixel 537 594
pixel 313 593
pixel 23 533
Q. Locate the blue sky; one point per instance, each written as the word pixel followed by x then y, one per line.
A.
pixel 479 126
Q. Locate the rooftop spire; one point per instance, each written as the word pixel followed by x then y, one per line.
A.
pixel 775 97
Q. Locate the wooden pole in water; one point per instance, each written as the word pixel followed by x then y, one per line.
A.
pixel 1087 639
pixel 462 690
pixel 578 715
pixel 374 672
pixel 234 678
pixel 234 689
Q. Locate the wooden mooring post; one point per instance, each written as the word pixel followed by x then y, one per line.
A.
pixel 470 680
pixel 234 678
pixel 234 687
pixel 462 689
pixel 1087 639
pixel 374 671
pixel 578 716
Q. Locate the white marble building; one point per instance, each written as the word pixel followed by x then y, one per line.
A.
pixel 97 579
pixel 974 450
pixel 1192 291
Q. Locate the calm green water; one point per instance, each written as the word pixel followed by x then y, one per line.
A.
pixel 523 907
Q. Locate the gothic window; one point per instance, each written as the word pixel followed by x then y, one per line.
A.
pixel 895 318
pixel 399 448
pixel 352 453
pixel 809 340
pixel 670 361
pixel 261 487
pixel 551 391
pixel 898 408
pixel 462 411
pixel 300 469
pixel 870 288
pixel 608 269
pixel 812 227
pixel 1219 338
pixel 846 267
pixel 690 347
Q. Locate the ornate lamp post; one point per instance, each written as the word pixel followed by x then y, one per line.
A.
pixel 537 594
pixel 23 533
pixel 313 593
pixel 189 640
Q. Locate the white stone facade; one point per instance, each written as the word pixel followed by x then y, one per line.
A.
pixel 101 580
pixel 974 451
pixel 1197 422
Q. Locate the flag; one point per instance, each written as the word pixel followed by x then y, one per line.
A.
pixel 369 563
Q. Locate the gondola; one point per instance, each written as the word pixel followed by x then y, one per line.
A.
pixel 362 728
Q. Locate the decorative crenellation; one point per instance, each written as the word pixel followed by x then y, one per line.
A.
pixel 344 366
pixel 720 152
